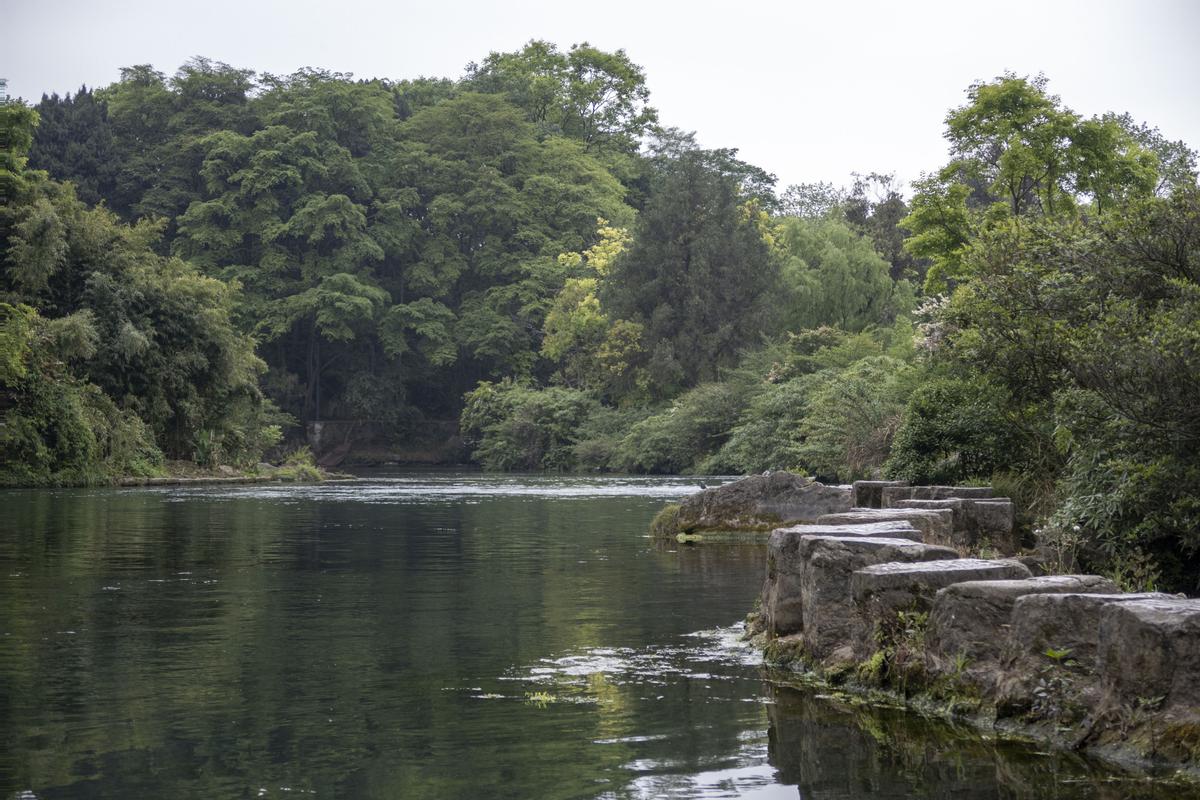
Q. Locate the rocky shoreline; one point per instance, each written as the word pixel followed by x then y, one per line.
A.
pixel 892 598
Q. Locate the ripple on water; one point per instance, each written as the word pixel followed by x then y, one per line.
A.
pixel 452 488
pixel 717 654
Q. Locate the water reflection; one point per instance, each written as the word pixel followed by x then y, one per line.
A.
pixel 419 636
pixel 831 749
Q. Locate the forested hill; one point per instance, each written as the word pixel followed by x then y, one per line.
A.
pixel 198 265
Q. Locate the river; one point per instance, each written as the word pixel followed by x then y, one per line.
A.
pixel 428 635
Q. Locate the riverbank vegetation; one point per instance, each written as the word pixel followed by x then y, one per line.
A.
pixel 198 265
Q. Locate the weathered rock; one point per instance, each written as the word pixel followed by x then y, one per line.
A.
pixel 1068 623
pixel 895 529
pixel 1056 637
pixel 976 523
pixel 936 525
pixel 827 564
pixel 892 494
pixel 881 591
pixel 783 589
pixel 1150 654
pixel 761 502
pixel 970 621
pixel 869 494
pixel 957 506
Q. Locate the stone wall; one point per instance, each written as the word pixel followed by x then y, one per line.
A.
pixel 875 598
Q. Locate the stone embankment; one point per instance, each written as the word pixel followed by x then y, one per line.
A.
pixel 968 519
pixel 881 597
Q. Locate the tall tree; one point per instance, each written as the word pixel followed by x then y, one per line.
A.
pixel 595 96
pixel 699 270
pixel 74 142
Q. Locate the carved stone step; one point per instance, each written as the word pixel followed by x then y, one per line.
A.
pixel 976 522
pixel 869 494
pixel 892 494
pixel 1150 655
pixel 827 564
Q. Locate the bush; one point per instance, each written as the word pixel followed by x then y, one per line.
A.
pixel 680 438
pixel 954 430
pixel 852 417
pixel 513 427
pixel 768 433
pixel 61 430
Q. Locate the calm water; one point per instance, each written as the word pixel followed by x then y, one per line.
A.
pixel 432 635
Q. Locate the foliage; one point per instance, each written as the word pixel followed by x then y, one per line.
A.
pixel 59 429
pixel 142 349
pixel 698 273
pixel 1086 332
pixel 585 93
pixel 512 427
pixel 1018 152
pixel 677 439
pixel 954 430
pixel 835 277
pixel 852 417
pixel 299 465
pixel 74 138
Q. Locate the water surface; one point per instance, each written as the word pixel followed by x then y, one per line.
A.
pixel 427 635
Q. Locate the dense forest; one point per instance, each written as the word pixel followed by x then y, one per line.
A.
pixel 197 266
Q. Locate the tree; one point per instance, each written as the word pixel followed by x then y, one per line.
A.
pixel 1019 153
pixel 699 269
pixel 74 142
pixel 835 277
pixel 141 347
pixel 588 94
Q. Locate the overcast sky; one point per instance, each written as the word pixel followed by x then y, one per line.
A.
pixel 807 90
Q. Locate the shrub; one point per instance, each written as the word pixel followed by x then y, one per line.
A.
pixel 954 430
pixel 513 427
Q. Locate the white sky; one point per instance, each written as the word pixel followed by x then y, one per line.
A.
pixel 808 90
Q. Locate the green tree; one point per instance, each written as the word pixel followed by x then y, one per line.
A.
pixel 74 142
pixel 586 93
pixel 700 268
pixel 835 277
pixel 1017 152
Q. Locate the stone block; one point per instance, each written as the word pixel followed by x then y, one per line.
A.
pixel 892 494
pixel 1150 654
pixel 881 591
pixel 970 621
pixel 782 593
pixel 935 525
pixel 976 523
pixel 761 502
pixel 1064 624
pixel 827 564
pixel 869 494
pixel 895 529
pixel 1067 622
